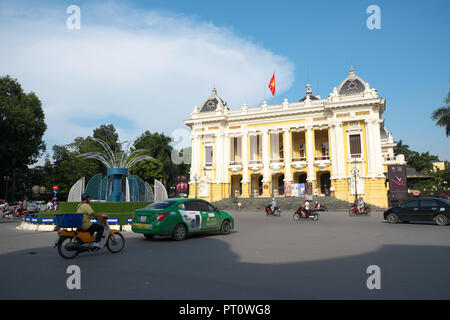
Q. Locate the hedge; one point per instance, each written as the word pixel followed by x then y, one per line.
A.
pixel 104 207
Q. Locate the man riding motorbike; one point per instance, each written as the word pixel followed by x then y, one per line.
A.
pixel 305 208
pixel 360 205
pixel 271 207
pixel 85 208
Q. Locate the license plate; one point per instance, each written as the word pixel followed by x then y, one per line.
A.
pixel 140 225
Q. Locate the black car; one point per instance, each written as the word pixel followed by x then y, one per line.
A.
pixel 424 209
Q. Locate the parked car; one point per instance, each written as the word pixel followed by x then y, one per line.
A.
pixel 424 209
pixel 180 217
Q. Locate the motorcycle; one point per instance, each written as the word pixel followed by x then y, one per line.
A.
pixel 308 214
pixel 71 243
pixel 275 212
pixel 320 207
pixel 353 211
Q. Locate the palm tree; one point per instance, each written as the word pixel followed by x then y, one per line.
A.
pixel 442 116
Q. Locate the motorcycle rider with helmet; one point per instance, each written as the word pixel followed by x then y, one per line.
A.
pixel 85 208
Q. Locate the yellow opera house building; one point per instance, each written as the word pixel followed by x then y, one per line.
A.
pixel 336 146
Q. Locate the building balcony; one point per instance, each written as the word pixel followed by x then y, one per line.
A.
pixel 235 166
pixel 322 162
pixel 255 165
pixel 299 163
pixel 276 165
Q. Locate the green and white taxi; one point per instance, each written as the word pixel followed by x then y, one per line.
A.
pixel 181 217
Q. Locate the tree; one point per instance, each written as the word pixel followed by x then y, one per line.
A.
pixel 442 116
pixel 158 146
pixel 108 134
pixel 22 123
pixel 422 162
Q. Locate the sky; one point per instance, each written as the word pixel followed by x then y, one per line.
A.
pixel 144 65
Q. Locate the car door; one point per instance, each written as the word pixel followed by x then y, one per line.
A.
pixel 208 213
pixel 408 210
pixel 191 215
pixel 428 208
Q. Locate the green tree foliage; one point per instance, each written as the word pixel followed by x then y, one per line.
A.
pixel 68 167
pixel 422 162
pixel 22 124
pixel 442 116
pixel 158 146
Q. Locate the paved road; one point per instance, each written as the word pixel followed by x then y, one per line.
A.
pixel 266 258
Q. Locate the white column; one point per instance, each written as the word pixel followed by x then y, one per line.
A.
pixel 310 153
pixel 333 156
pixel 194 157
pixel 265 154
pixel 226 157
pixel 245 157
pixel 340 154
pixel 219 156
pixel 370 148
pixel 287 155
pixel 378 158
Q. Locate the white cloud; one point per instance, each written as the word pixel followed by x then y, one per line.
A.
pixel 149 67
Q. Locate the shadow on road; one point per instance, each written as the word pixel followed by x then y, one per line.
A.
pixel 206 268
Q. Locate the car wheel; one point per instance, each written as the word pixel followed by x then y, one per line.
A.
pixel 392 218
pixel 179 232
pixel 149 236
pixel 441 220
pixel 226 227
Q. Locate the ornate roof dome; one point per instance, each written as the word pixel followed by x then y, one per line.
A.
pixel 213 102
pixel 352 84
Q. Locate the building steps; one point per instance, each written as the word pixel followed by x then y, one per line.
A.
pixel 285 203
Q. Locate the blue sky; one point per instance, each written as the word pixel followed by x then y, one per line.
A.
pixel 233 44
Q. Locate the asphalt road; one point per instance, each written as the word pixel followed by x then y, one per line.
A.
pixel 265 258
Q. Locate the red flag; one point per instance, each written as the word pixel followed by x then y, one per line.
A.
pixel 272 84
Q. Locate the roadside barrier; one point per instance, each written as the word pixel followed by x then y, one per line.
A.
pixel 48 224
pixel 127 226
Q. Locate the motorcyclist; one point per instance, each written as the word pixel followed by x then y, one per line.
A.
pixel 273 205
pixel 22 206
pixel 305 208
pixel 360 205
pixel 85 208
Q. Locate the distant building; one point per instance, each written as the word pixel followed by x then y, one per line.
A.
pixel 266 151
pixel 438 165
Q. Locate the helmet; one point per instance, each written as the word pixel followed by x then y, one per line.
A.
pixel 84 196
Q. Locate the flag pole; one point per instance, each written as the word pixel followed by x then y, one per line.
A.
pixel 275 91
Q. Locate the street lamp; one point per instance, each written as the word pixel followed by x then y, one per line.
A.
pixel 6 178
pixel 355 172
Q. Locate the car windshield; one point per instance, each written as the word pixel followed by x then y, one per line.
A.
pixel 160 205
pixel 447 202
